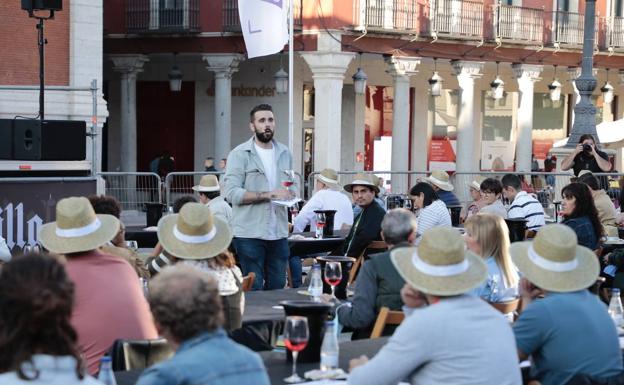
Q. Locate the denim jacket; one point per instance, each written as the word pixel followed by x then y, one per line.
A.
pixel 209 358
pixel 245 172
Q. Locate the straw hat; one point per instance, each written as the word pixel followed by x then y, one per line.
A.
pixel 208 183
pixel 476 183
pixel 441 265
pixel 553 261
pixel 77 227
pixel 194 233
pixel 441 179
pixel 330 178
pixel 362 180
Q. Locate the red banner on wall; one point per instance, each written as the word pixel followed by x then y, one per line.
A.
pixel 541 148
pixel 441 155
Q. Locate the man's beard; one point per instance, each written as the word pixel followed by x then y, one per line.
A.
pixel 264 136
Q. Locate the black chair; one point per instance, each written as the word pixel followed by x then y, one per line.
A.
pixel 139 354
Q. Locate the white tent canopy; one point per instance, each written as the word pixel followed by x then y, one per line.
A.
pixel 608 132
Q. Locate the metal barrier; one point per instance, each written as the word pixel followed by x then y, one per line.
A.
pixel 133 189
pixel 343 178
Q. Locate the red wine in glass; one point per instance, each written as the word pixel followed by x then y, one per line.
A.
pixel 333 281
pixel 296 335
pixel 288 183
pixel 333 275
pixel 295 345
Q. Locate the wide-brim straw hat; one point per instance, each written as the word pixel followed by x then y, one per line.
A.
pixel 441 179
pixel 440 265
pixel 194 233
pixel 362 180
pixel 554 261
pixel 207 183
pixel 77 228
pixel 329 177
pixel 476 183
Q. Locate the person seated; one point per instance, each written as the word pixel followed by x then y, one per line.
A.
pixel 491 190
pixel 378 283
pixel 106 204
pixel 580 214
pixel 39 345
pixel 158 260
pixel 210 195
pixel 487 236
pixel 367 225
pixel 433 212
pixel 109 301
pixel 603 203
pixel 439 180
pixel 5 253
pixel 568 331
pixel 187 310
pixel 473 207
pixel 196 237
pixel 523 205
pixel 457 339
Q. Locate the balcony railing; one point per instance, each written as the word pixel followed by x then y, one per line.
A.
pixel 568 28
pixel 231 21
pixel 518 24
pixel 456 19
pixel 162 16
pixel 398 15
pixel 615 32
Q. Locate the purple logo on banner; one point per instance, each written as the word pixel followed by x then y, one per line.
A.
pixel 274 2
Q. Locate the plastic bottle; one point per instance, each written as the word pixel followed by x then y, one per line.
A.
pixel 316 283
pixel 615 307
pixel 329 348
pixel 106 375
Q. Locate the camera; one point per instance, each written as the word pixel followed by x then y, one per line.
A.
pixel 587 148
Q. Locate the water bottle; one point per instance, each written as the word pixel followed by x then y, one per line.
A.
pixel 615 307
pixel 316 283
pixel 106 375
pixel 329 348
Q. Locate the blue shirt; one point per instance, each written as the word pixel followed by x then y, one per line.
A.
pixel 448 197
pixel 494 288
pixel 568 333
pixel 210 358
pixel 584 230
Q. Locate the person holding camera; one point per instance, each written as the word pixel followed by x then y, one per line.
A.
pixel 586 156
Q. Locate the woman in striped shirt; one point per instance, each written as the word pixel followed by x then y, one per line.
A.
pixel 433 212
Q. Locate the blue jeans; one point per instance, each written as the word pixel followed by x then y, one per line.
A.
pixel 260 256
pixel 294 262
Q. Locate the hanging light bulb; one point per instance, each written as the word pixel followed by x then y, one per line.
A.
pixel 554 88
pixel 435 81
pixel 607 91
pixel 175 76
pixel 359 79
pixel 497 86
pixel 281 79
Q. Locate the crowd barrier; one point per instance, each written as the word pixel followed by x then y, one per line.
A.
pixel 133 190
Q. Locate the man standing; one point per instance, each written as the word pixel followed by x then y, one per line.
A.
pixel 523 205
pixel 367 225
pixel 255 170
pixel 209 164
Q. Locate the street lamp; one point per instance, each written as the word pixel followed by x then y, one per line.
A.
pixel 281 81
pixel 435 81
pixel 175 76
pixel 607 91
pixel 359 79
pixel 497 86
pixel 554 88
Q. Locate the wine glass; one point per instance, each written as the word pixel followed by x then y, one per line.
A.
pixel 295 338
pixel 333 275
pixel 289 179
pixel 132 245
pixel 320 224
pixel 407 204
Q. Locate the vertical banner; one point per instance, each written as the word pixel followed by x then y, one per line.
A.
pixel 442 155
pixel 264 24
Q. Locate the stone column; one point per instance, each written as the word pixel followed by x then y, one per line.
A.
pixel 468 134
pixel 128 66
pixel 328 71
pixel 400 68
pixel 223 66
pixel 526 76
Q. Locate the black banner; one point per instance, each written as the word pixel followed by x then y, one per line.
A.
pixel 25 205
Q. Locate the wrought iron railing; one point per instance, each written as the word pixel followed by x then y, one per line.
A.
pixel 397 15
pixel 162 16
pixel 568 28
pixel 231 21
pixel 456 19
pixel 614 32
pixel 519 24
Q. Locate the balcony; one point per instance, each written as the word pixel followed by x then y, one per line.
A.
pixel 567 29
pixel 390 15
pixel 162 16
pixel 456 19
pixel 614 33
pixel 518 25
pixel 231 21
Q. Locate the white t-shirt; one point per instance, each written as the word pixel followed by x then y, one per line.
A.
pixel 325 200
pixel 267 156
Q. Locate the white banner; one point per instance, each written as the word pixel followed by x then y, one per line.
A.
pixel 264 24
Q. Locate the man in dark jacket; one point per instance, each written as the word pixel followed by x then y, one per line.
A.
pixel 379 284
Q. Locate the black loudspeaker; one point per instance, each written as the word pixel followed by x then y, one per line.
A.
pixel 49 140
pixel 42 5
pixel 6 138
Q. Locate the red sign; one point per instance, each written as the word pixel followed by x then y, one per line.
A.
pixel 440 150
pixel 541 148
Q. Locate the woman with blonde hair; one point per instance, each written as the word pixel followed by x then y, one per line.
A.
pixel 487 236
